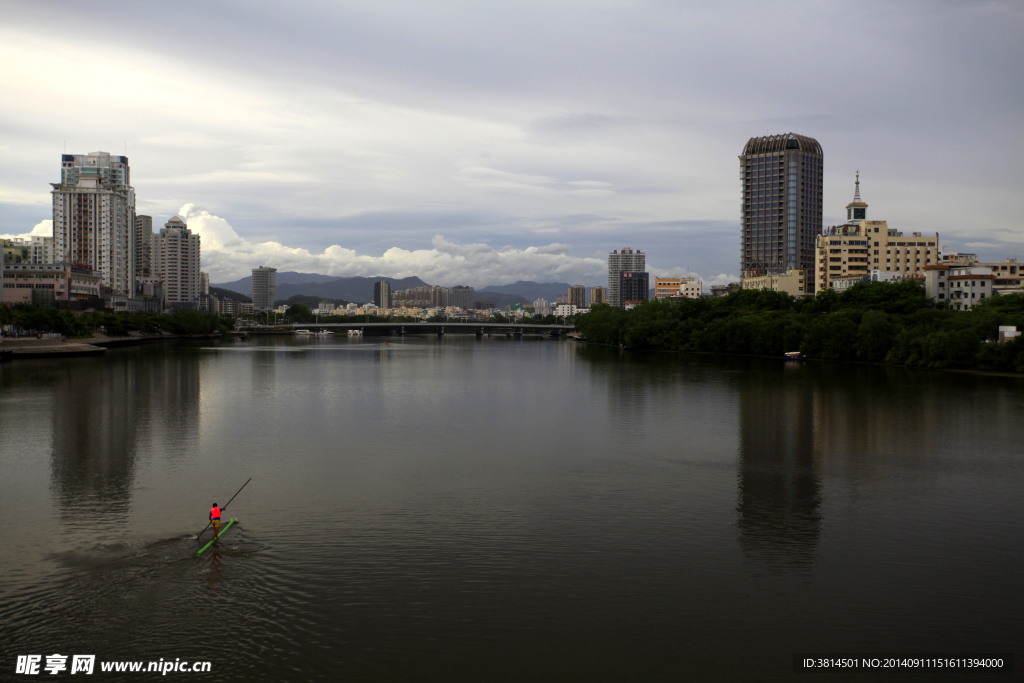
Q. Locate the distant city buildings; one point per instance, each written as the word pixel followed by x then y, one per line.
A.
pixel 619 262
pixel 264 285
pixel 434 297
pixel 94 217
pixel 781 194
pixel 598 295
pixel 177 262
pixel 204 284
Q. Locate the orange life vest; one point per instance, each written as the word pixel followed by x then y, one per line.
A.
pixel 215 513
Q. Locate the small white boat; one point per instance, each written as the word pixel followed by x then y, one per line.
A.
pixel 325 333
pixel 355 333
pixel 303 332
pixel 795 355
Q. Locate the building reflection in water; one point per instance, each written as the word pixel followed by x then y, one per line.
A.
pixel 109 414
pixel 779 493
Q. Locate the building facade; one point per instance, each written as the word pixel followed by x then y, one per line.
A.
pixel 382 294
pixel 781 193
pixel 793 281
pixel 860 246
pixel 94 217
pixel 578 296
pixel 142 247
pixel 598 295
pixel 960 286
pixel 625 261
pixel 39 284
pixel 633 288
pixel 177 262
pixel 39 248
pixel 264 285
pixel 463 296
pixel 687 287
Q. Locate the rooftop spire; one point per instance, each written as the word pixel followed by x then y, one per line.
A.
pixel 856 191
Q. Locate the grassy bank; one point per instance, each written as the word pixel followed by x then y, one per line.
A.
pixel 878 322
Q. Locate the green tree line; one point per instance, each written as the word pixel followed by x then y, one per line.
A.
pixel 116 324
pixel 879 322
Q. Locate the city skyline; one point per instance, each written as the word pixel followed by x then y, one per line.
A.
pixel 414 163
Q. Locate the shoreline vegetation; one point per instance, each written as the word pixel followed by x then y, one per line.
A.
pixel 878 322
pixel 72 326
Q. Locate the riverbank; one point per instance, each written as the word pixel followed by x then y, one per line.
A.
pixel 97 345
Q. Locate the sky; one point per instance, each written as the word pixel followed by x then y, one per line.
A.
pixel 482 143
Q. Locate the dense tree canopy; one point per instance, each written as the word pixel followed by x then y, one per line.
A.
pixel 879 322
pixel 70 324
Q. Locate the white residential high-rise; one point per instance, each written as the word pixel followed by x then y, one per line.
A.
pixel 626 261
pixel 94 217
pixel 177 262
pixel 264 282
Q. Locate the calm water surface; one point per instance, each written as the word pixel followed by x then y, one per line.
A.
pixel 467 510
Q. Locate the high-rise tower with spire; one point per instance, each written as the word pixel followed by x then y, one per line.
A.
pixel 857 210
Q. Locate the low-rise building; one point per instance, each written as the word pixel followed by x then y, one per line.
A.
pixel 725 290
pixel 688 287
pixel 792 281
pixel 566 309
pixel 41 284
pixel 960 286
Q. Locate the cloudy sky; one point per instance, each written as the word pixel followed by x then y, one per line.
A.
pixel 483 142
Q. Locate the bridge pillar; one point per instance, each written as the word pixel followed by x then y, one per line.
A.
pixel 480 332
pixel 402 332
pixel 517 331
pixel 440 332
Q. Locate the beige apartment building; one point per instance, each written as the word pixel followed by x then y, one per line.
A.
pixel 598 295
pixel 793 281
pixel 860 246
pixel 686 287
pixel 177 255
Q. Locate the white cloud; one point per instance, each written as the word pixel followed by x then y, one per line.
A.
pixel 227 256
pixel 43 228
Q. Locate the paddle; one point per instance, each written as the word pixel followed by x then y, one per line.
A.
pixel 225 507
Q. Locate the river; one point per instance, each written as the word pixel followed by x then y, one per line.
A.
pixel 465 509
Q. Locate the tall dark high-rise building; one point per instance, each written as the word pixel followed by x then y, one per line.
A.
pixel 633 287
pixel 382 294
pixel 781 180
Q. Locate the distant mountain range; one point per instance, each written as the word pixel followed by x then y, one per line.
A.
pixel 360 289
pixel 530 290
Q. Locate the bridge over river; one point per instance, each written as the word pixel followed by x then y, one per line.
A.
pixel 440 329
